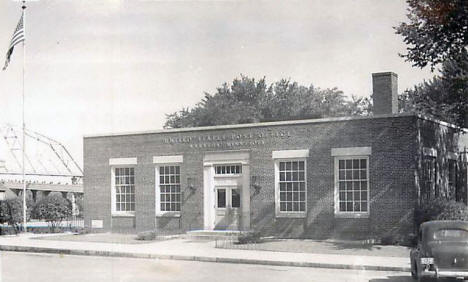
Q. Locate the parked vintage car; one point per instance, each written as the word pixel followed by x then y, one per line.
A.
pixel 442 251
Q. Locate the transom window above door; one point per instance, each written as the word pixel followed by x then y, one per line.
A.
pixel 229 169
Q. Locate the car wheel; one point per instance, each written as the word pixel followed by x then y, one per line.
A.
pixel 422 278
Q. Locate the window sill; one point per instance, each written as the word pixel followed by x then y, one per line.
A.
pixel 227 175
pixel 114 214
pixel 168 214
pixel 291 215
pixel 351 215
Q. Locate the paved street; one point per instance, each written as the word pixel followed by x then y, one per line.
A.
pixel 51 267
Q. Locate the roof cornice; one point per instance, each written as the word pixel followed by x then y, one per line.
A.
pixel 250 125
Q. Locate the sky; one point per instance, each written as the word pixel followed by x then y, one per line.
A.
pixel 108 66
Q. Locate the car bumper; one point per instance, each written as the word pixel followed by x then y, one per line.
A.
pixel 445 273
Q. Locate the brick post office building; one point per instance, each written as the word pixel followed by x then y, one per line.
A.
pixel 333 177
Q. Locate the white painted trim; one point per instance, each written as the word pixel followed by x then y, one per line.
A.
pixel 208 198
pixel 351 215
pixel 157 192
pixel 288 154
pixel 429 152
pixel 123 161
pixel 351 151
pixel 210 181
pixel 113 209
pixel 123 214
pixel 168 159
pixel 233 162
pixel 226 157
pixel 168 214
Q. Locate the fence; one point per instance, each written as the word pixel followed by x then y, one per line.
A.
pixel 72 223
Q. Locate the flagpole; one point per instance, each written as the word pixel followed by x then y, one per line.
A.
pixel 24 124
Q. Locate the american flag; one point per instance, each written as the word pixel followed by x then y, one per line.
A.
pixel 18 37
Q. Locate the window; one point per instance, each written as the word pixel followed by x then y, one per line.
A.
pixel 450 235
pixel 235 198
pixel 429 178
pixel 123 186
pixel 221 198
pixel 124 189
pixel 228 169
pixel 353 184
pixel 167 185
pixel 352 181
pixel 168 189
pixel 452 176
pixel 291 181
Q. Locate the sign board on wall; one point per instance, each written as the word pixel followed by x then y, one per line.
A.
pixel 96 223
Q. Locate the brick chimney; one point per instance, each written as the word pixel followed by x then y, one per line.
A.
pixel 385 93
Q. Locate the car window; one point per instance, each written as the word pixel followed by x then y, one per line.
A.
pixel 450 234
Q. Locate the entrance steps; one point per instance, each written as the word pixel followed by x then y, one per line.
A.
pixel 212 235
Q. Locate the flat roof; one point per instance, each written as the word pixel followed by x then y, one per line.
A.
pixel 273 123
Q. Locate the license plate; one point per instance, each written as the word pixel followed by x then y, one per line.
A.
pixel 427 260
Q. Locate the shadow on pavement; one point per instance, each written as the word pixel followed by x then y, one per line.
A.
pixel 406 278
pixel 343 246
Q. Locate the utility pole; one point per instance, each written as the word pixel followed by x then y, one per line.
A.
pixel 24 124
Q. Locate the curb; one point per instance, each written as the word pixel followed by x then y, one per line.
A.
pixel 201 258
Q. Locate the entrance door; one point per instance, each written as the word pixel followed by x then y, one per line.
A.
pixel 227 207
pixel 226 190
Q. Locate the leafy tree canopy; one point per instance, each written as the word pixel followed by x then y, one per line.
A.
pixel 437 34
pixel 445 97
pixel 247 100
pixel 53 209
pixel 11 211
pixel 437 31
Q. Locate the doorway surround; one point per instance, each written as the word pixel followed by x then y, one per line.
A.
pixel 212 180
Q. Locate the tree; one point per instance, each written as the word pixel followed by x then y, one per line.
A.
pixel 54 209
pixel 79 202
pixel 12 212
pixel 247 100
pixel 440 209
pixel 437 34
pixel 4 213
pixel 437 31
pixel 445 97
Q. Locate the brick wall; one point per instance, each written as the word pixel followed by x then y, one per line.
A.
pixel 392 186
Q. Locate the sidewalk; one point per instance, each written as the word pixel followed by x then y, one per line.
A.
pixel 183 249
